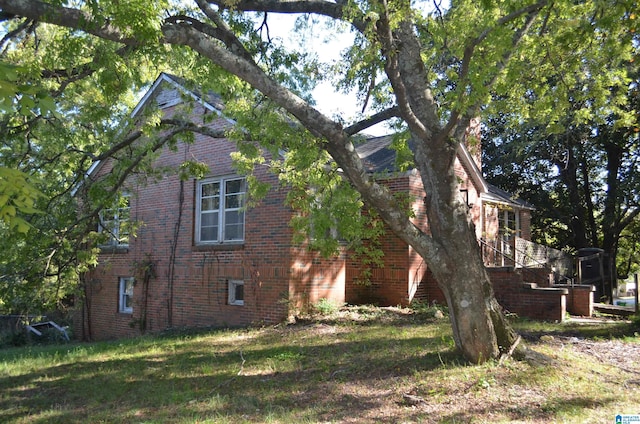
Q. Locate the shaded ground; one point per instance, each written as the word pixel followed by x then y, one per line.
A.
pixel 357 365
pixel 509 393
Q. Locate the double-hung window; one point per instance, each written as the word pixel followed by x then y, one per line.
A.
pixel 125 295
pixel 220 210
pixel 115 222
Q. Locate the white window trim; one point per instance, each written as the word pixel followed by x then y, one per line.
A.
pixel 231 289
pixel 122 295
pixel 504 214
pixel 114 233
pixel 221 211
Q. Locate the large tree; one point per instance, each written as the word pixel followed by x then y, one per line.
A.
pixel 580 167
pixel 432 71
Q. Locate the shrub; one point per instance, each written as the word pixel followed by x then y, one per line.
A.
pixel 12 339
pixel 326 307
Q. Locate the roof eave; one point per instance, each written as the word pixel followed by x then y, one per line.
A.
pixel 162 78
pixel 475 173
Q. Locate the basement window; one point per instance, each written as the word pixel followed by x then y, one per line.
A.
pixel 236 292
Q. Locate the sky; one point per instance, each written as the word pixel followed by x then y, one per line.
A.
pixel 329 101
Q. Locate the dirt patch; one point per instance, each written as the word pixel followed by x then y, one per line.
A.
pixel 617 353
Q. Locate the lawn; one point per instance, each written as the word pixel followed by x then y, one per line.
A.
pixel 362 365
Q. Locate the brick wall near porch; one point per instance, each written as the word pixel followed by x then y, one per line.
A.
pixel 524 299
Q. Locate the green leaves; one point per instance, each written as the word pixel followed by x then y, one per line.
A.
pixel 17 199
pixel 569 106
pixel 23 97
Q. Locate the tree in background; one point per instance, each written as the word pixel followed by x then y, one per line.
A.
pixel 580 164
pixel 59 112
pixel 432 72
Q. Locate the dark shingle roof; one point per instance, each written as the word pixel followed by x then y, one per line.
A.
pixel 497 194
pixel 377 154
pixel 379 157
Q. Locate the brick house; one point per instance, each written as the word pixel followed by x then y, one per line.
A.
pixel 200 259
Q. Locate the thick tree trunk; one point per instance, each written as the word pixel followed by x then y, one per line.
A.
pixel 578 221
pixel 480 329
pixel 479 326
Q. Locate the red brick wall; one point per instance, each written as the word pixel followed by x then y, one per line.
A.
pixel 399 281
pixel 525 224
pixel 417 266
pixel 526 300
pixel 268 264
pixel 580 299
pixel 313 278
pixel 490 222
pixel 389 284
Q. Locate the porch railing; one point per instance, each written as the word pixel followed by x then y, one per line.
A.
pixel 524 254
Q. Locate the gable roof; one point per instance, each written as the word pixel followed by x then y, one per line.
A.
pixel 165 98
pixel 375 152
pixel 178 87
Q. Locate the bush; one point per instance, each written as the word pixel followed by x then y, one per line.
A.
pixel 12 339
pixel 50 335
pixel 326 307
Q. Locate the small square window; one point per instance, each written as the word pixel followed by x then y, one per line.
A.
pixel 236 292
pixel 125 297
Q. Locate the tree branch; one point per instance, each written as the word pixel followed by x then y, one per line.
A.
pixel 67 17
pixel 532 12
pixel 221 32
pixel 23 26
pixel 200 129
pixel 334 10
pixel 392 51
pixel 337 142
pixel 379 117
pixel 629 217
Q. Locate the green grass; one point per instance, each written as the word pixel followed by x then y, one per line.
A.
pixel 355 368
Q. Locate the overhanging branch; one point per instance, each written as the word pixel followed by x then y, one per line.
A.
pixel 379 117
pixel 67 17
pixel 334 10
